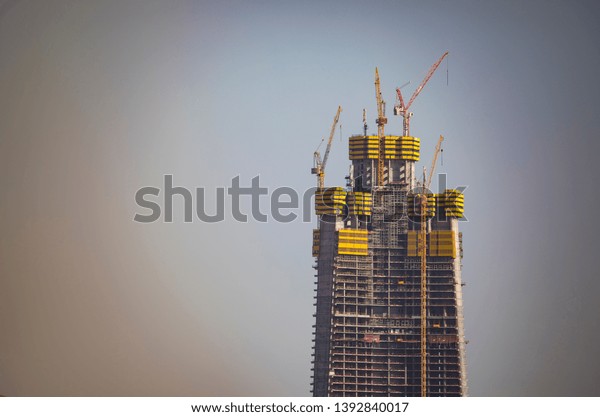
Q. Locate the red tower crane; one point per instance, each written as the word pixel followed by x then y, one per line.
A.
pixel 400 109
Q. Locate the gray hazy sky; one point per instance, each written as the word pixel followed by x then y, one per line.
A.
pixel 98 99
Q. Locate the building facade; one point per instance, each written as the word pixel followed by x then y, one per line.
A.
pixel 368 338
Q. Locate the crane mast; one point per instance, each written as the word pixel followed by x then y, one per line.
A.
pixel 318 165
pixel 400 109
pixel 381 121
pixel 423 253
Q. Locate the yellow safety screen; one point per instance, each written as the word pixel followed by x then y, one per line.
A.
pixel 414 205
pixel 440 243
pixel 353 242
pixel 452 203
pixel 359 203
pixel 330 201
pixel 396 147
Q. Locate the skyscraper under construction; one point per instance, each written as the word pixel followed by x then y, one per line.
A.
pixel 388 260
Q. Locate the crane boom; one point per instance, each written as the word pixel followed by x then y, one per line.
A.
pixel 318 165
pixel 336 119
pixel 438 147
pixel 381 121
pixel 426 79
pixel 401 109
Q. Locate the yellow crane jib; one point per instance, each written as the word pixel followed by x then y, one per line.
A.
pixel 318 165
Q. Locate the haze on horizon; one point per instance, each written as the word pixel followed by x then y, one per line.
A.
pixel 99 99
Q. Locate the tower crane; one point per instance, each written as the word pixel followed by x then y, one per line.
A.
pixel 381 121
pixel 318 165
pixel 400 109
pixel 423 253
pixel 436 153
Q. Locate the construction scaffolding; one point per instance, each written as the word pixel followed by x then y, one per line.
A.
pixel 381 330
pixel 368 330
